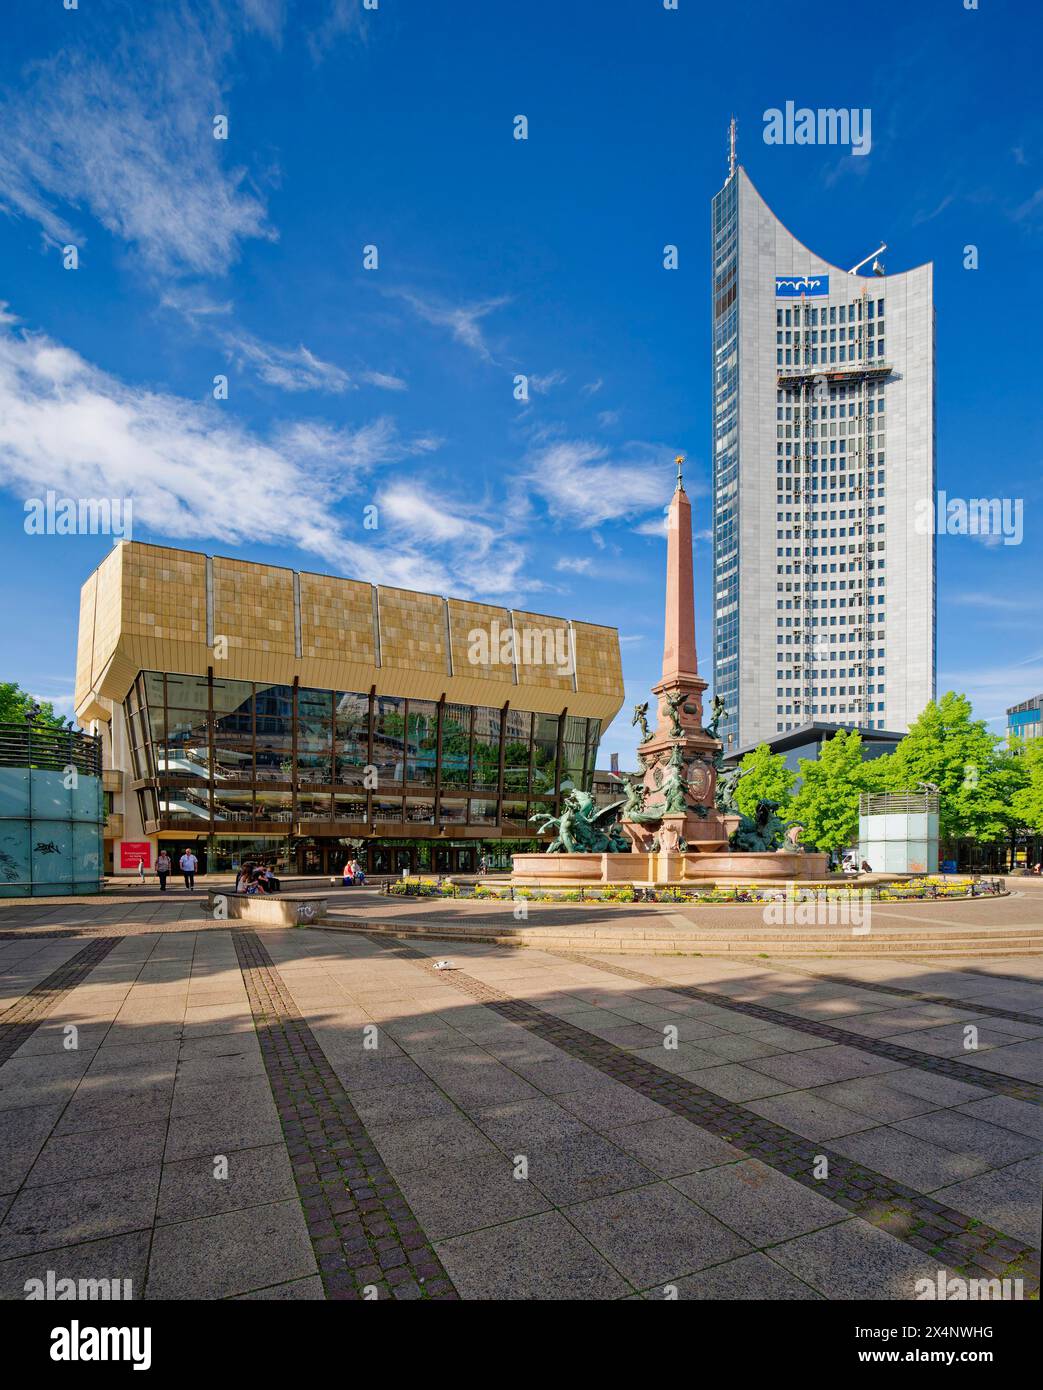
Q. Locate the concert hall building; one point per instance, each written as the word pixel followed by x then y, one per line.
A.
pixel 250 711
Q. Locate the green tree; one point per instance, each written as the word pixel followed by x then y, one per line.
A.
pixel 1027 801
pixel 765 777
pixel 15 704
pixel 827 802
pixel 976 779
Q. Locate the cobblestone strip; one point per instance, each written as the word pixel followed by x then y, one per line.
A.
pixel 960 1242
pixel 894 1052
pixel 361 1228
pixel 989 1010
pixel 23 1018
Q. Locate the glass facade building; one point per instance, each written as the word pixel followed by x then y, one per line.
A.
pixel 258 712
pixel 252 762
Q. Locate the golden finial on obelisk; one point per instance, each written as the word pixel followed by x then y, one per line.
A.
pixel 680 461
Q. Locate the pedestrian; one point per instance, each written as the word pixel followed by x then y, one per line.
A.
pixel 162 869
pixel 483 866
pixel 189 864
pixel 141 868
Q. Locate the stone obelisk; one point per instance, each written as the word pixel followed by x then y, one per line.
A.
pixel 678 757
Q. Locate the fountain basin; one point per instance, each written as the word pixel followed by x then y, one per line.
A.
pixel 550 870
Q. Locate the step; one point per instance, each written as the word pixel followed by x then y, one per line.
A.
pixel 586 941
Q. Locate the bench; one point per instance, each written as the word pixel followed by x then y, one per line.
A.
pixel 266 909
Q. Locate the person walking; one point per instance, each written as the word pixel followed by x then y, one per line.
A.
pixel 189 864
pixel 141 868
pixel 162 869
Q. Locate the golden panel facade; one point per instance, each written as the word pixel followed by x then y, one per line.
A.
pixel 544 650
pixel 412 631
pixel 164 594
pixel 599 667
pixel 145 608
pixel 469 623
pixel 253 606
pixel 337 619
pixel 85 639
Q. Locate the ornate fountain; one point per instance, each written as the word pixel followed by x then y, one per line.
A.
pixel 676 823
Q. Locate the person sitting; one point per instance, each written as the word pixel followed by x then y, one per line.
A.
pixel 271 883
pixel 242 878
pixel 255 883
pixel 349 873
pixel 357 872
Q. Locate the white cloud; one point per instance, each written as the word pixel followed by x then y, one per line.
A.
pixel 653 526
pixel 127 138
pixel 577 565
pixel 193 303
pixel 488 556
pixel 194 473
pixel 542 384
pixel 583 485
pixel 385 381
pixel 291 369
pixel 343 19
pixel 267 16
pixel 462 320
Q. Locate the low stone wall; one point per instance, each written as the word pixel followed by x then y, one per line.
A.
pixel 267 910
pixel 550 870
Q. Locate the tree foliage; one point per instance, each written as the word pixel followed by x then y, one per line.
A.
pixel 765 777
pixel 15 704
pixel 976 778
pixel 1028 799
pixel 827 802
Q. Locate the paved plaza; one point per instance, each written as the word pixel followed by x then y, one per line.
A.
pixel 314 1114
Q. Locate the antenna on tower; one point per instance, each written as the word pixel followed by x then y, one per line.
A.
pixel 731 147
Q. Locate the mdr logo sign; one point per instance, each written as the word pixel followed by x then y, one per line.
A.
pixel 801 286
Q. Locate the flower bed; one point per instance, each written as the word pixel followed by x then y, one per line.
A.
pixel 910 890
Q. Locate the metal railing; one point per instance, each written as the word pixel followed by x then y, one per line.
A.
pixel 43 746
pixel 896 803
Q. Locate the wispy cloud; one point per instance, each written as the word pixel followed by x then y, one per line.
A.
pixel 126 137
pixel 291 369
pixel 464 321
pixel 194 304
pixel 574 564
pixel 584 485
pixel 491 559
pixel 541 384
pixel 1000 602
pixel 267 16
pixel 67 425
pixel 385 381
pixel 343 19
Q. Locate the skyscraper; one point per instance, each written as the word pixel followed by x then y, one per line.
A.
pixel 823 447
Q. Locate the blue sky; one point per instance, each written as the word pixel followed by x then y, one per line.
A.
pixel 395 386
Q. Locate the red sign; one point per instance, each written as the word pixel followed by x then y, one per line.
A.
pixel 135 852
